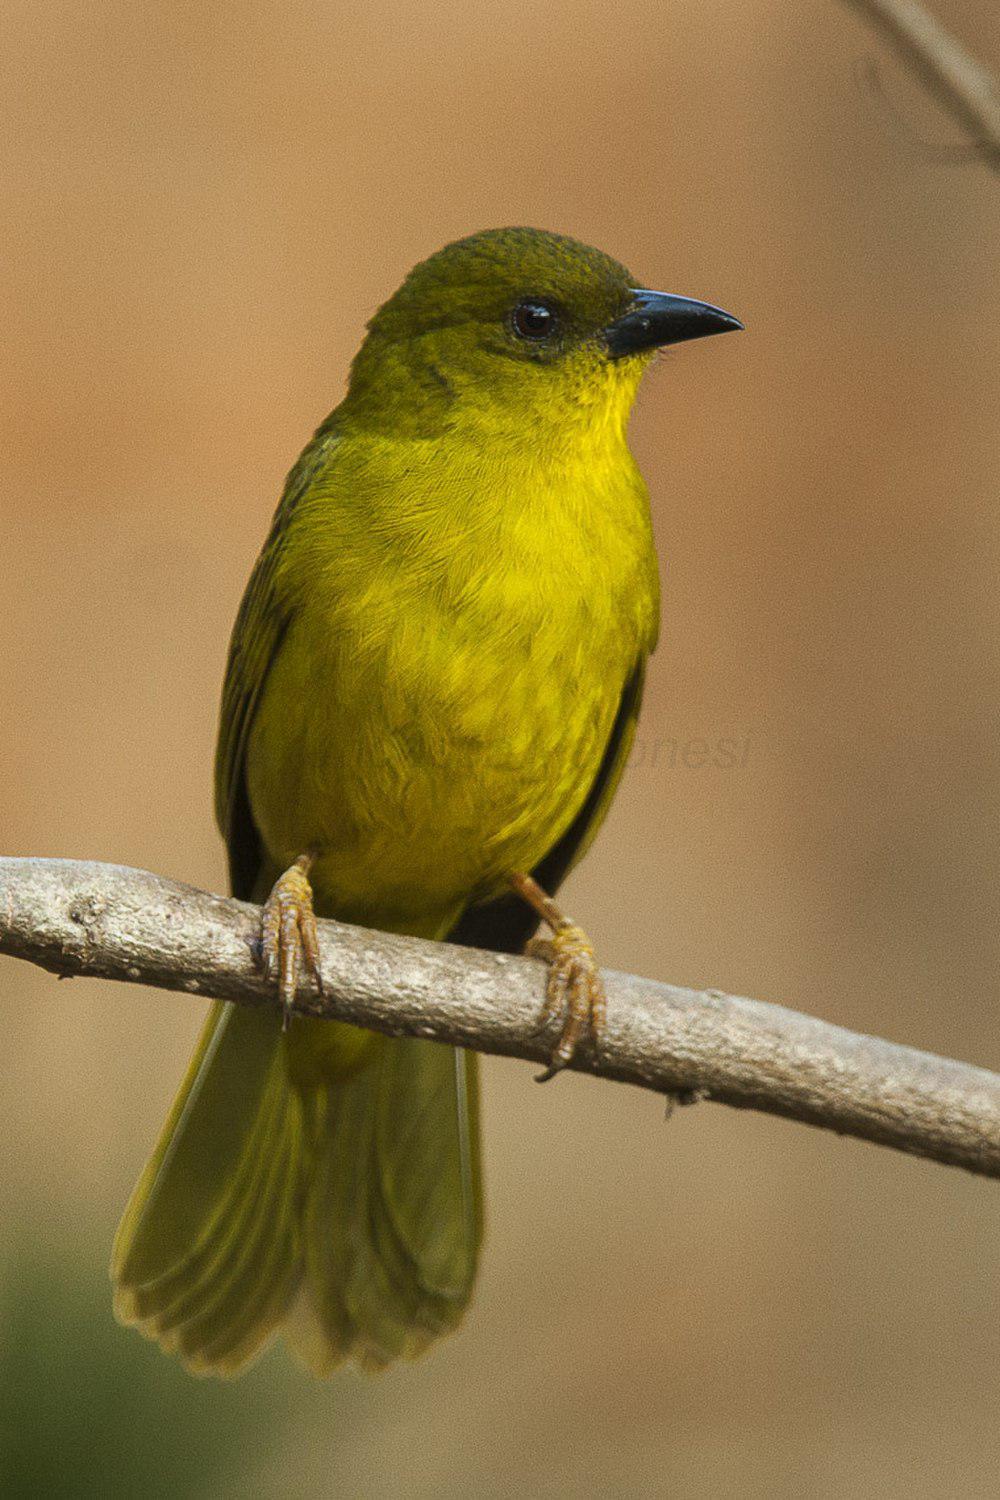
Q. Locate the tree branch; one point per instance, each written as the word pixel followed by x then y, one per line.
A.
pixel 966 89
pixel 82 918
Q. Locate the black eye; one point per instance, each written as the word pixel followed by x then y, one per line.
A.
pixel 533 320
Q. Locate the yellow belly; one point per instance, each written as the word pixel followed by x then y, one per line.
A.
pixel 426 766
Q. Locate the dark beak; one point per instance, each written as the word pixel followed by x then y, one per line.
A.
pixel 658 318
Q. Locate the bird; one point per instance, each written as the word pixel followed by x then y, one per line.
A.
pixel 431 692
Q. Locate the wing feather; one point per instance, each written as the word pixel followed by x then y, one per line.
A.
pixel 263 618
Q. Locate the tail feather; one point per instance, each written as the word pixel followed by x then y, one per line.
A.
pixel 176 1295
pixel 215 1297
pixel 341 1202
pixel 224 1295
pixel 414 1278
pixel 252 1304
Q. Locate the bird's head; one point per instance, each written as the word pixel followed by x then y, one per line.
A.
pixel 516 326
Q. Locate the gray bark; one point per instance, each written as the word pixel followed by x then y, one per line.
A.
pixel 82 918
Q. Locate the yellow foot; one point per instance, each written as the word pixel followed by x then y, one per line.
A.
pixel 574 990
pixel 288 934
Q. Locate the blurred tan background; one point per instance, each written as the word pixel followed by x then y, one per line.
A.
pixel 201 206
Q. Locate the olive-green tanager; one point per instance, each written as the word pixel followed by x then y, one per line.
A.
pixel 431 692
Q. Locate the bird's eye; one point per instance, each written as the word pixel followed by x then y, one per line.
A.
pixel 533 320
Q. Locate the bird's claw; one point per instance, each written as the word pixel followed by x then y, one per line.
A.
pixel 288 937
pixel 574 992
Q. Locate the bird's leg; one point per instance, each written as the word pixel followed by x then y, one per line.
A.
pixel 288 933
pixel 574 990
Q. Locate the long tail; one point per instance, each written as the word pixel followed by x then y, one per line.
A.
pixel 326 1180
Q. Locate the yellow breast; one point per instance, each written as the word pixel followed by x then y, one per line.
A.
pixel 440 705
